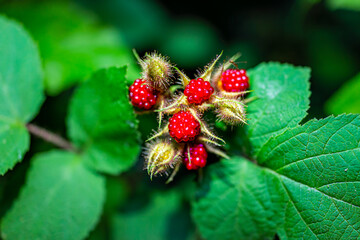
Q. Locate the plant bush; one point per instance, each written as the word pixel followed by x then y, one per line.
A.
pixel 287 176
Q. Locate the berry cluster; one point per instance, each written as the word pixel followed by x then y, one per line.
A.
pixel 185 138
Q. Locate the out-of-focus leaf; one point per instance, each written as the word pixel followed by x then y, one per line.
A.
pixel 250 54
pixel 344 4
pixel 72 42
pixel 346 99
pixel 143 23
pixel 102 122
pixel 60 200
pixel 191 43
pixel 329 58
pixel 21 91
pixel 163 218
pixel 116 192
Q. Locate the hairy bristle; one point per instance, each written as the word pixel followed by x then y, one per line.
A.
pixel 158 70
pixel 161 156
pixel 231 112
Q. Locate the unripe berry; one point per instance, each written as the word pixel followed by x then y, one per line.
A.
pixel 234 80
pixel 183 126
pixel 142 95
pixel 157 70
pixel 161 156
pixel 198 91
pixel 231 112
pixel 195 156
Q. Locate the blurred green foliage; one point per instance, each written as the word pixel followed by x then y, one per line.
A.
pixel 326 50
pixel 72 42
pixel 190 42
pixel 70 181
pixel 142 22
pixel 344 4
pixel 346 99
pixel 163 217
pixel 20 70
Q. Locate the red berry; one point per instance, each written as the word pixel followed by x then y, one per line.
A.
pixel 234 80
pixel 142 95
pixel 183 126
pixel 198 91
pixel 198 156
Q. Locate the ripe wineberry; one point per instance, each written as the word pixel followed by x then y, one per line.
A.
pixel 234 80
pixel 198 91
pixel 198 156
pixel 183 126
pixel 142 95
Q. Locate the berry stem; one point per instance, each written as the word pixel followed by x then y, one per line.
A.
pixel 162 103
pixel 217 152
pixel 174 88
pixel 176 103
pixel 50 137
pixel 163 131
pixel 206 140
pixel 236 94
pixel 136 55
pixel 221 100
pixel 204 128
pixel 176 169
pixel 143 112
pixel 232 60
pixel 188 153
pixel 184 79
pixel 210 68
pixel 251 99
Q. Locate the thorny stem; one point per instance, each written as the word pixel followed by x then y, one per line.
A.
pixel 165 129
pixel 160 113
pixel 176 102
pixel 50 137
pixel 174 88
pixel 142 112
pixel 251 99
pixel 171 178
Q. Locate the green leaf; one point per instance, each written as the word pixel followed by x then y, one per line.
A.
pixel 306 188
pixel 72 42
pixel 239 200
pixel 14 142
pixel 318 164
pixel 346 99
pixel 20 91
pixel 282 99
pixel 344 4
pixel 60 200
pixel 102 122
pixel 163 218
